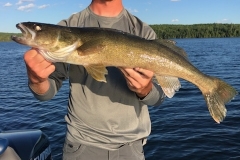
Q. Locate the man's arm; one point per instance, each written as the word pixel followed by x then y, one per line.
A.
pixel 38 70
pixel 141 82
pixel 138 80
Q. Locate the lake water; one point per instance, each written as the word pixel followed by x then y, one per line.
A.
pixel 182 127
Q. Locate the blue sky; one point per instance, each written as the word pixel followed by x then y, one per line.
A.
pixel 149 11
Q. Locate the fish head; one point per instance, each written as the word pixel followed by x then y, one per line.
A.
pixel 53 41
pixel 37 35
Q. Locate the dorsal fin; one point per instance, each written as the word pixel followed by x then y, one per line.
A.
pixel 171 44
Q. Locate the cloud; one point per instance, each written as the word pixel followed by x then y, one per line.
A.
pixel 175 20
pixel 26 7
pixel 7 4
pixel 132 10
pixel 225 20
pixel 81 5
pixel 21 1
pixel 43 6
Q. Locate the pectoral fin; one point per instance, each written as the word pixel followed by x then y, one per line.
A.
pixel 94 46
pixel 169 85
pixel 98 72
pixel 91 47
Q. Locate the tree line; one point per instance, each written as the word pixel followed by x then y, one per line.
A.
pixel 215 30
pixel 4 37
pixel 169 31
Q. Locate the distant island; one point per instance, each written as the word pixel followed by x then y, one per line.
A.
pixel 215 30
pixel 5 37
pixel 170 31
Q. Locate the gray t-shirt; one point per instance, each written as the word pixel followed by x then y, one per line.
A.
pixel 104 115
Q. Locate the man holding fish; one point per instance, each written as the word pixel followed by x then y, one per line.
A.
pixel 105 120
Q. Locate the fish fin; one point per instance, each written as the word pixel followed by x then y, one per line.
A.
pixel 91 47
pixel 169 85
pixel 218 97
pixel 171 44
pixel 98 72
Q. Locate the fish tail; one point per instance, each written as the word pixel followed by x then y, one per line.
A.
pixel 218 97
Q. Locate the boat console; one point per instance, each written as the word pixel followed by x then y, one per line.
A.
pixel 24 145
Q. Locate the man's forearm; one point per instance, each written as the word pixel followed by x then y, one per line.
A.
pixel 44 91
pixel 40 88
pixel 155 97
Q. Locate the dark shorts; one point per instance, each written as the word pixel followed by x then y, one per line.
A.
pixel 133 151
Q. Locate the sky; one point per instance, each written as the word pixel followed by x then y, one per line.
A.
pixel 149 11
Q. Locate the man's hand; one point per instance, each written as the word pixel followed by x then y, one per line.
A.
pixel 38 70
pixel 139 80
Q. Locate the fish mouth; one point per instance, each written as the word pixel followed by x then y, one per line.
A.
pixel 27 37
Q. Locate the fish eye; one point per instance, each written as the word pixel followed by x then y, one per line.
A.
pixel 37 27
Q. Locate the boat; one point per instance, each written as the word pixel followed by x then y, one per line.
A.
pixel 24 145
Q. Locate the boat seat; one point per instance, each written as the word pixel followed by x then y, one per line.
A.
pixel 3 145
pixel 9 154
pixel 22 142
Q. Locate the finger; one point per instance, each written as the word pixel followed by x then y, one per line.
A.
pixel 34 54
pixel 144 72
pixel 43 64
pixel 128 73
pixel 129 79
pixel 47 71
pixel 30 54
pixel 135 76
pixel 33 58
pixel 51 68
pixel 123 71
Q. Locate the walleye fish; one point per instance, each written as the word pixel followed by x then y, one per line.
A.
pixel 96 48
